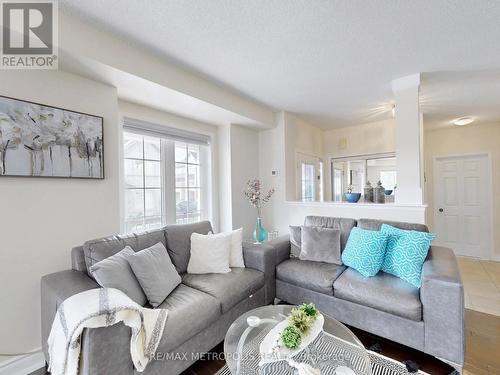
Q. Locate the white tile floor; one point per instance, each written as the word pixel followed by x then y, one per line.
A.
pixel 481 285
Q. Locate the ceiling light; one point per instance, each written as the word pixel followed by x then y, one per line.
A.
pixel 463 121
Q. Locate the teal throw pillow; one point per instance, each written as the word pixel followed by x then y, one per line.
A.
pixel 406 252
pixel 365 250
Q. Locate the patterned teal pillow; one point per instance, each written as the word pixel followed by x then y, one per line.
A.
pixel 365 250
pixel 406 252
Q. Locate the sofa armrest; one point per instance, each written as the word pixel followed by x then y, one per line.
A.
pixel 55 288
pixel 442 297
pixel 106 350
pixel 262 258
pixel 282 248
pixel 100 352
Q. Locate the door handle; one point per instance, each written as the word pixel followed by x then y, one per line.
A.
pixel 440 210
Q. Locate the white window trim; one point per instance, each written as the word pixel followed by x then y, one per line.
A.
pixel 168 168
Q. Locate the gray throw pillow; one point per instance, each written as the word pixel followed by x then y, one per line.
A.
pixel 320 245
pixel 115 272
pixel 155 272
pixel 295 241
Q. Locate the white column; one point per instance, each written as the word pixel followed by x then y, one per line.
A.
pixel 225 195
pixel 409 140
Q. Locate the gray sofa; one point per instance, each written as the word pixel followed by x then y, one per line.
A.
pixel 201 308
pixel 430 319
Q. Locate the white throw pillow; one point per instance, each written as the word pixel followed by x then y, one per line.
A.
pixel 236 257
pixel 210 253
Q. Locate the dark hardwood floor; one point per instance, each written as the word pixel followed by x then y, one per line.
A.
pixel 427 363
pixel 401 353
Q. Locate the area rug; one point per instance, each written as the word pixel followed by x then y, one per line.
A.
pixel 381 365
pixel 324 346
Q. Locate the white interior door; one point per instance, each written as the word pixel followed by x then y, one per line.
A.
pixel 462 191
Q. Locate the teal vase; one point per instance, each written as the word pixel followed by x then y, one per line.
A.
pixel 260 233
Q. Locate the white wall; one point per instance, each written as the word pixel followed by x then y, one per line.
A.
pixel 364 139
pixel 225 196
pixel 371 138
pixel 136 111
pixel 89 45
pixel 281 212
pixel 244 167
pixel 272 158
pixel 302 137
pixel 42 218
pixel 457 140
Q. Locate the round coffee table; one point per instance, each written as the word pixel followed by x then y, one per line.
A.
pixel 336 350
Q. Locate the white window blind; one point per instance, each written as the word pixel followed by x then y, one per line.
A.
pixel 159 131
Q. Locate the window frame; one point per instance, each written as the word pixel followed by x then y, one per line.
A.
pixel 187 188
pixel 168 180
pixel 308 182
pixel 143 160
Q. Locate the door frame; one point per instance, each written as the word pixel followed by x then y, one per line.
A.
pixel 298 183
pixel 489 193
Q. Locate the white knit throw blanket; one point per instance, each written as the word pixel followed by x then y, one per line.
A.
pixel 102 308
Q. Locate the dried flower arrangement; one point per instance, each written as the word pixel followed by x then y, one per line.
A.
pixel 255 195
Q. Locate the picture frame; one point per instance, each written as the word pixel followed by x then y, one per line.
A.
pixel 40 140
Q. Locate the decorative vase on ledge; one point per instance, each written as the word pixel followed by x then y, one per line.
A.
pixel 254 195
pixel 260 233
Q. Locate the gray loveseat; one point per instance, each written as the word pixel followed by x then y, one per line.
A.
pixel 201 308
pixel 430 319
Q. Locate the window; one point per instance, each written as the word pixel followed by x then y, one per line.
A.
pixel 308 182
pixel 165 181
pixel 320 182
pixel 338 176
pixel 143 187
pixel 309 178
pixel 187 183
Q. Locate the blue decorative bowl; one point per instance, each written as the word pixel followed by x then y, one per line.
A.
pixel 352 197
pixel 387 192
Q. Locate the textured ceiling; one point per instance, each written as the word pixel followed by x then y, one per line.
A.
pixel 330 62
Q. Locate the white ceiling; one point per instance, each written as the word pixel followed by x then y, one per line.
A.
pixel 141 91
pixel 330 62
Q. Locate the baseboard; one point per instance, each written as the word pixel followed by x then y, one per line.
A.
pixel 23 365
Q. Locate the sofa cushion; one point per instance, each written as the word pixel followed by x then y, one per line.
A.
pixel 382 292
pixel 101 248
pixel 189 312
pixel 365 251
pixel 155 272
pixel 229 288
pixel 373 224
pixel 115 272
pixel 178 239
pixel 210 253
pixel 295 241
pixel 406 252
pixel 317 276
pixel 341 223
pixel 236 254
pixel 320 245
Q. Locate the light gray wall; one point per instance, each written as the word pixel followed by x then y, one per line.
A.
pixel 244 166
pixel 42 218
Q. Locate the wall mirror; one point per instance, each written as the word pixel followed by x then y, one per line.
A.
pixel 317 180
pixel 359 170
